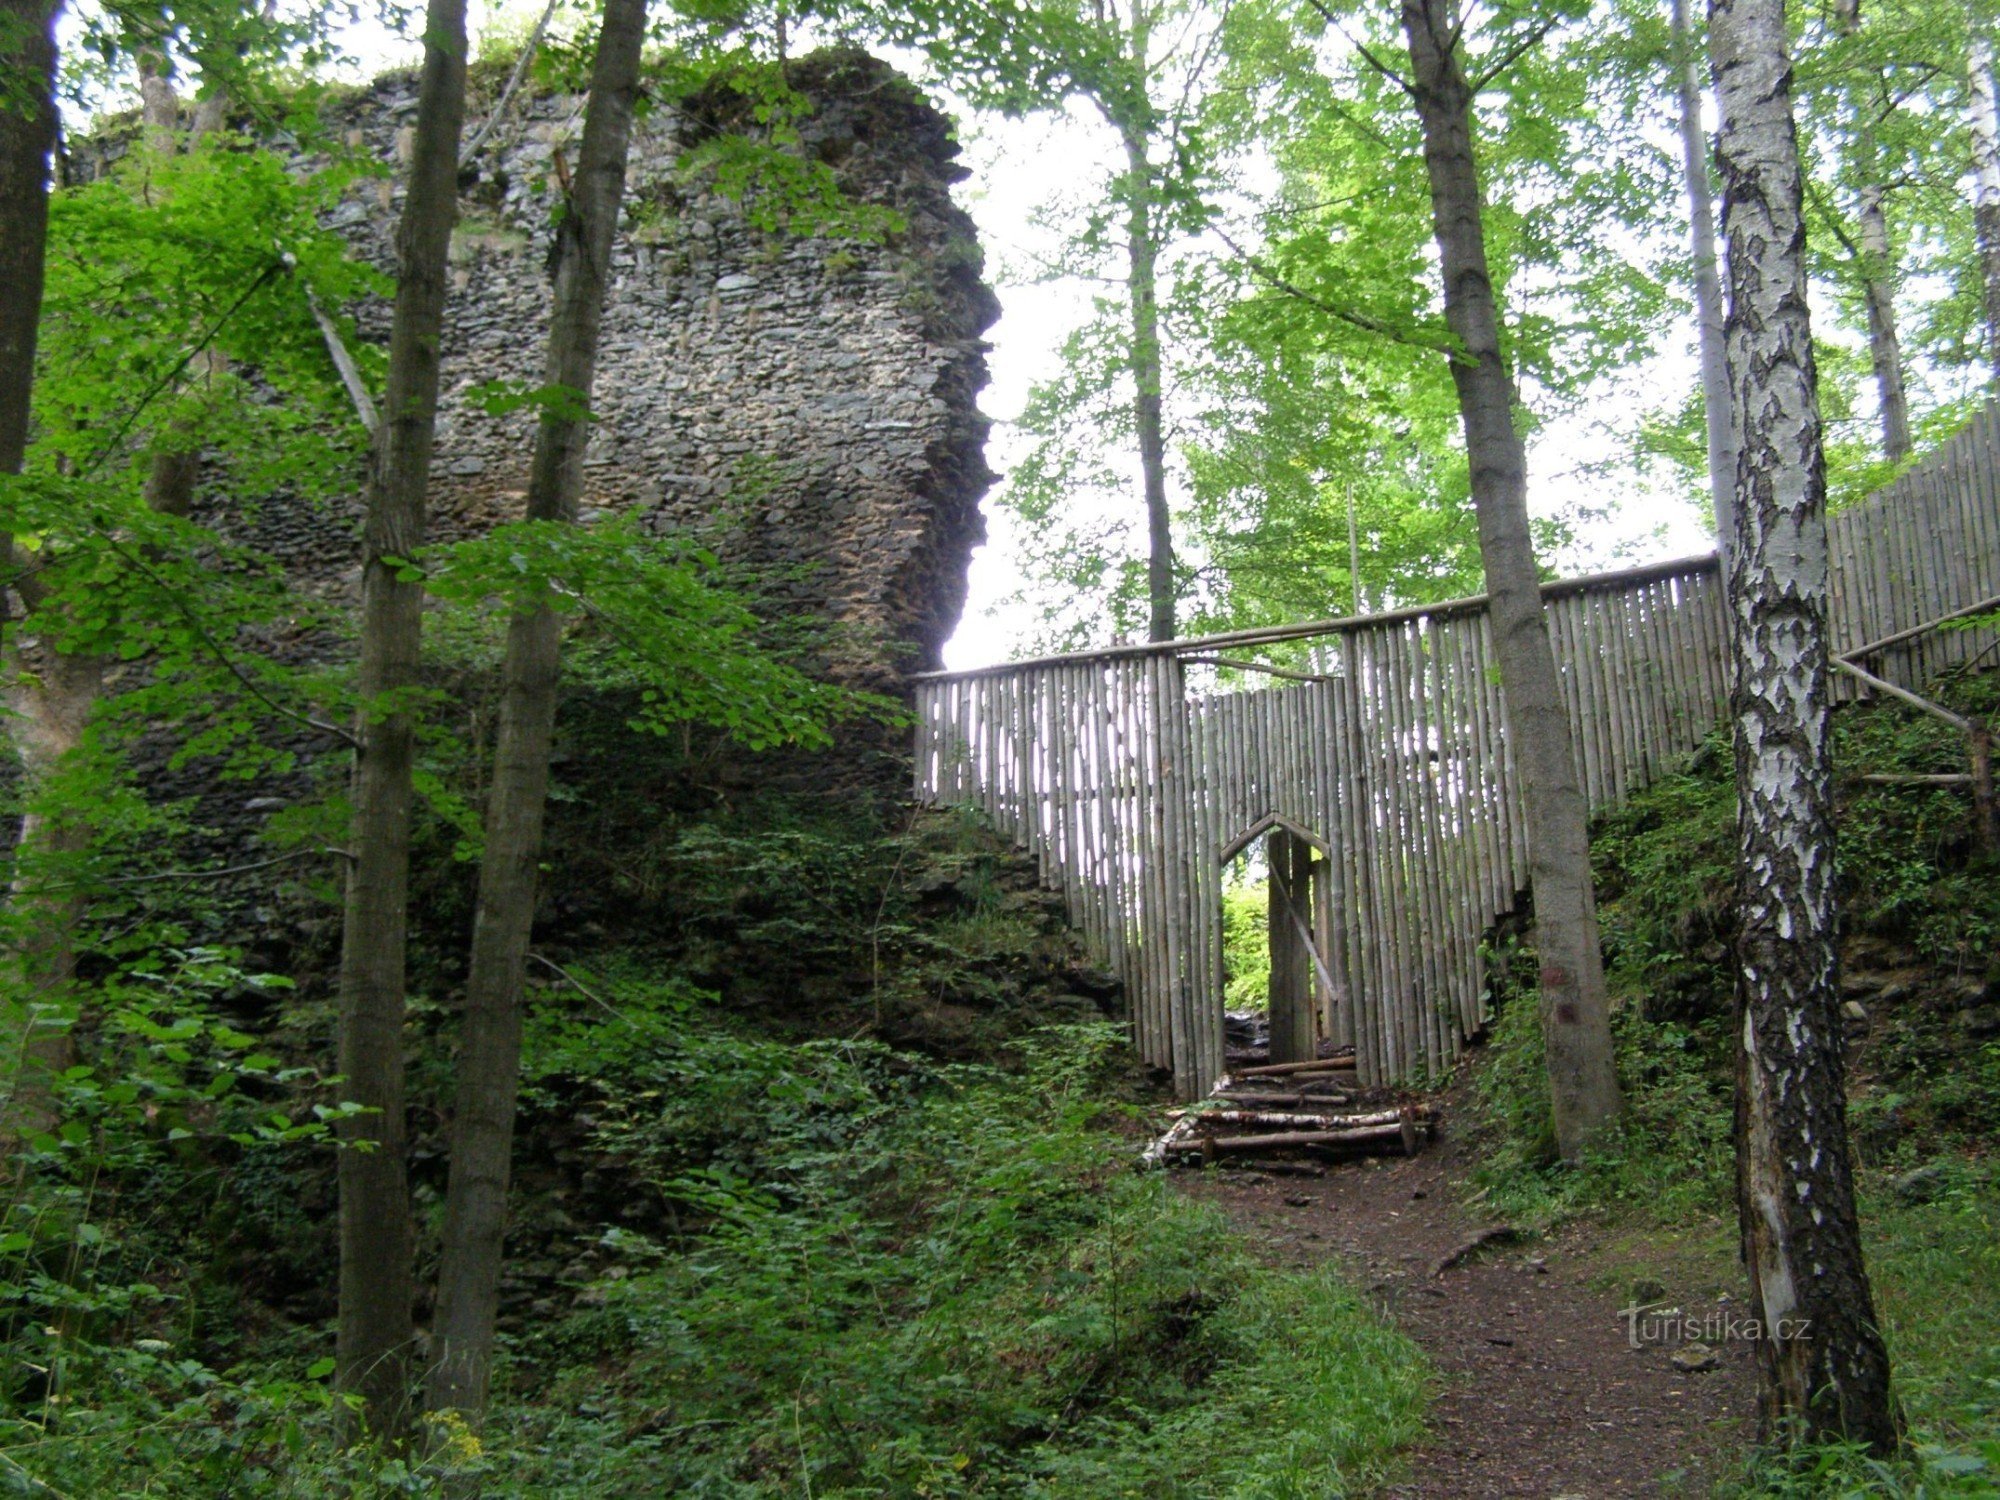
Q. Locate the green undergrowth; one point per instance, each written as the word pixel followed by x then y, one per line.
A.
pixel 1920 911
pixel 824 1267
pixel 898 1277
pixel 1246 945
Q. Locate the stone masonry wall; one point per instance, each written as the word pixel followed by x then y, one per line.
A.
pixel 806 402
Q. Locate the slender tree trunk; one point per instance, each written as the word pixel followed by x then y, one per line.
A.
pixel 27 140
pixel 490 1054
pixel 1583 1082
pixel 1707 286
pixel 376 1280
pixel 1875 262
pixel 1825 1371
pixel 1143 255
pixel 1885 345
pixel 1983 122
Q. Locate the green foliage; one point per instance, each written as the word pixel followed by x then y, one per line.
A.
pixel 1671 1157
pixel 921 1280
pixel 98 1298
pixel 1908 860
pixel 1911 878
pixel 153 267
pixel 746 143
pixel 1246 945
pixel 1921 1098
pixel 662 620
pixel 1326 366
pixel 166 255
pixel 262 58
pixel 827 1265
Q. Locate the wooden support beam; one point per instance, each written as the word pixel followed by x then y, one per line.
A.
pixel 1294 1037
pixel 1883 685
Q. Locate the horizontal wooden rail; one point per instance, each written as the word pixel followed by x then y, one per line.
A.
pixel 1270 635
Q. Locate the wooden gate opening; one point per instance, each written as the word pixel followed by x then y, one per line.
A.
pixel 1305 1004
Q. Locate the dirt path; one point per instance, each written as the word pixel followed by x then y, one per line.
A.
pixel 1538 1392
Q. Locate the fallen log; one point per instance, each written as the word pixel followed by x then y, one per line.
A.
pixel 1261 1099
pixel 1156 1154
pixel 1282 1070
pixel 1365 1135
pixel 1228 1084
pixel 1282 1118
pixel 1277 1167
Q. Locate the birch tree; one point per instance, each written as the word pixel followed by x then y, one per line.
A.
pixel 489 1063
pixel 1583 1082
pixel 1823 1365
pixel 376 1331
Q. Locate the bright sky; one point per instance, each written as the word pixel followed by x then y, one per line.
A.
pixel 1012 176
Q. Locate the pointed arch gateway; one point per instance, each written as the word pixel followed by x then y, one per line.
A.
pixel 1306 1002
pixel 1131 773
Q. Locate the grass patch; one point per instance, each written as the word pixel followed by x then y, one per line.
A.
pixel 786 1268
pixel 947 1281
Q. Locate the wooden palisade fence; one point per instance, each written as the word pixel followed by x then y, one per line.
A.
pixel 1136 773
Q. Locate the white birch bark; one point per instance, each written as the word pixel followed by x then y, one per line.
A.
pixel 1825 1371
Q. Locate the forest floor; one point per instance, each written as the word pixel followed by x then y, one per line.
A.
pixel 1537 1390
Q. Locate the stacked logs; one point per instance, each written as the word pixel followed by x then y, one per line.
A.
pixel 1285 1110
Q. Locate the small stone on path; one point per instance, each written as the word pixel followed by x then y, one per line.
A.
pixel 1694 1358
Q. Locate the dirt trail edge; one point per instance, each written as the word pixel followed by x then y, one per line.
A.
pixel 1538 1392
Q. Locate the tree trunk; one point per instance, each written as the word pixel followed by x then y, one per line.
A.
pixel 1583 1082
pixel 1885 345
pixel 1983 122
pixel 1825 1371
pixel 1875 264
pixel 490 1052
pixel 27 139
pixel 376 1279
pixel 1143 254
pixel 1707 286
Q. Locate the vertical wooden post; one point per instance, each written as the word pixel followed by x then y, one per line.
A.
pixel 1979 742
pixel 1293 1034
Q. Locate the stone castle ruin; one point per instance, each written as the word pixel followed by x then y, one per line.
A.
pixel 806 403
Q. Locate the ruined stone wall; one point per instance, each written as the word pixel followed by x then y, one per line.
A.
pixel 808 403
